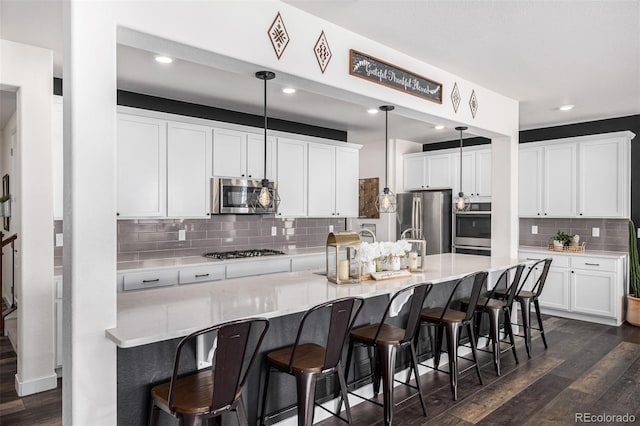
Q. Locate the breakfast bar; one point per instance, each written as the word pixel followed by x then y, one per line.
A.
pixel 151 322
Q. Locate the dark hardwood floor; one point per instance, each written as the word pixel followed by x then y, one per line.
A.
pixel 588 368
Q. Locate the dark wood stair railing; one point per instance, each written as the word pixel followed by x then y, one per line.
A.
pixel 11 240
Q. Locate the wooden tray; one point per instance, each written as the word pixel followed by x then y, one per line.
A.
pixel 568 249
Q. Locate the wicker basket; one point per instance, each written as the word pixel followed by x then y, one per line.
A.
pixel 568 249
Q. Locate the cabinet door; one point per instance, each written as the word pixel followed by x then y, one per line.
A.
pixel 188 170
pixel 468 173
pixel 141 166
pixel 602 188
pixel 322 180
pixel 530 182
pixel 413 173
pixel 438 171
pixel 255 156
pixel 483 173
pixel 57 150
pixel 593 292
pixel 229 153
pixel 347 183
pixel 560 180
pixel 555 293
pixel 292 177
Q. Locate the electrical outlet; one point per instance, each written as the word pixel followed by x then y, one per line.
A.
pixel 58 240
pixel 638 233
pixel 274 231
pixel 534 229
pixel 595 232
pixel 182 234
pixel 330 228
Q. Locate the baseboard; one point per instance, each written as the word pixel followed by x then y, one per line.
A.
pixel 38 385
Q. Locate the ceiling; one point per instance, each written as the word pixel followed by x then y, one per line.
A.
pixel 544 54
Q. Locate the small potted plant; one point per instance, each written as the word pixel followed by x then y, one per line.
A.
pixel 562 239
pixel 633 298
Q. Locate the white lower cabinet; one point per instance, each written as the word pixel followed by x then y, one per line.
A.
pixel 589 288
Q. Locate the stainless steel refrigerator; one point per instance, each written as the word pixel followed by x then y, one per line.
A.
pixel 430 213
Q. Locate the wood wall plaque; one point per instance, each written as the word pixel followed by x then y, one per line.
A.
pixel 375 70
pixel 368 193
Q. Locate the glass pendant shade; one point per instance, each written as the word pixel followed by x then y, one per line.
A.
pixel 265 197
pixel 386 202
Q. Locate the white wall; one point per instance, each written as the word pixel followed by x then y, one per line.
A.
pixel 29 70
pixel 231 35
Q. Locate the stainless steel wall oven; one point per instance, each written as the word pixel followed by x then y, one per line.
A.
pixel 472 230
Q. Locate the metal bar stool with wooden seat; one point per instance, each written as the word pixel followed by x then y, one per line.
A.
pixel 493 307
pixel 208 393
pixel 451 320
pixel 525 297
pixel 310 361
pixel 387 338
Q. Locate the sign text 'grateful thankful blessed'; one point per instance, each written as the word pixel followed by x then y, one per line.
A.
pixel 377 71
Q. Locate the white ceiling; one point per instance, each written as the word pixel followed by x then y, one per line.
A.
pixel 542 53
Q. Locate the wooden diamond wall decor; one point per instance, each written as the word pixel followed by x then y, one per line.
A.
pixel 473 104
pixel 322 52
pixel 278 35
pixel 455 97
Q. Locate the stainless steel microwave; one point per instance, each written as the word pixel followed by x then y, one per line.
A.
pixel 234 196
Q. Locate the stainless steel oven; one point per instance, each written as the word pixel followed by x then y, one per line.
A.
pixel 235 196
pixel 472 230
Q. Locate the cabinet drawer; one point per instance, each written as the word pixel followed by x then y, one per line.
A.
pixel 140 280
pixel 558 260
pixel 307 263
pixel 205 273
pixel 260 267
pixel 593 263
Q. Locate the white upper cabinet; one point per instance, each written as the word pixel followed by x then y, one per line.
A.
pixel 322 180
pixel 586 176
pixel 57 152
pixel 347 182
pixel 483 173
pixel 255 156
pixel 428 171
pixel 292 177
pixel 603 189
pixel 229 153
pixel 188 170
pixel 476 173
pixel 141 166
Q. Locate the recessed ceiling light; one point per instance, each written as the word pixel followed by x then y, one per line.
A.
pixel 163 59
pixel 288 90
pixel 372 110
pixel 566 107
pixel 439 127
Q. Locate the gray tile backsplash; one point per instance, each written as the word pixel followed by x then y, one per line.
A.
pixel 614 233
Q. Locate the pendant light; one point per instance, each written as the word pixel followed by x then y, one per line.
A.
pixel 386 201
pixel 462 202
pixel 266 197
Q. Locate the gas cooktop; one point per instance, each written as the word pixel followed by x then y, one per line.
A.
pixel 239 254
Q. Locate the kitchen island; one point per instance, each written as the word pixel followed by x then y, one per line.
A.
pixel 151 322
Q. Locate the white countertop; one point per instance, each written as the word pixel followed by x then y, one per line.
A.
pixel 165 313
pixel 598 253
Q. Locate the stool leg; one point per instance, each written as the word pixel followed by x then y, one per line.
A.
pixel 215 421
pixel 509 331
pixel 343 392
pixel 537 306
pixel 241 414
pixel 306 397
pixel 188 420
pixel 376 373
pixel 263 411
pixel 452 349
pixel 495 337
pixel 414 362
pixel 474 351
pixel 153 415
pixel 387 357
pixel 525 307
pixel 437 348
pixel 348 365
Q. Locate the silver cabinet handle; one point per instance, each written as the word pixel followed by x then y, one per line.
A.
pixel 591 264
pixel 151 281
pixel 201 275
pixel 531 258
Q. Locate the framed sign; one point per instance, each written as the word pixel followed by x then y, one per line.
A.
pixel 381 72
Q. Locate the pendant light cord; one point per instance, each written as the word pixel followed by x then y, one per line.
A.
pixel 386 149
pixel 461 161
pixel 265 129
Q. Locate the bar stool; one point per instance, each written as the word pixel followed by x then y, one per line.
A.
pixel 208 393
pixel 451 320
pixel 310 361
pixel 493 306
pixel 387 338
pixel 525 297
